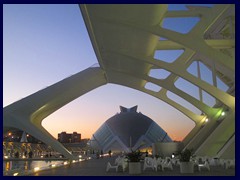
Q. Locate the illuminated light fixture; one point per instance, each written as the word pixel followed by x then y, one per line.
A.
pixel 222 116
pixel 15 174
pixel 53 165
pixel 206 120
pixel 73 161
pixel 80 156
pixel 65 163
pixel 80 160
pixel 41 156
pixel 36 169
pixel 6 157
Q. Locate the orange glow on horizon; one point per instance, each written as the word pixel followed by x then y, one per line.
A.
pixel 90 111
pixel 89 129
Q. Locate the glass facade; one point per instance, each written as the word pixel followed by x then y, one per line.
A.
pixel 157 134
pixel 101 137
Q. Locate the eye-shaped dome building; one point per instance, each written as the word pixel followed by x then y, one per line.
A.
pixel 128 130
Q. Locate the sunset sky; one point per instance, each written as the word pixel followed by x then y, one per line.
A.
pixel 43 44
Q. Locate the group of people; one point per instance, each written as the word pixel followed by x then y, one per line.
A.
pixel 30 154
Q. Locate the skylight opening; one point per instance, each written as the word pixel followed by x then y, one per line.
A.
pixel 152 87
pixel 205 72
pixel 183 7
pixel 208 99
pixel 168 56
pixel 159 73
pixel 162 38
pixel 194 91
pixel 192 68
pixel 221 85
pixel 187 87
pixel 180 24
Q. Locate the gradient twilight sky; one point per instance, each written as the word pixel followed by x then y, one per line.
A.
pixel 43 44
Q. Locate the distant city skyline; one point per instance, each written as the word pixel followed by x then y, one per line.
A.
pixel 43 44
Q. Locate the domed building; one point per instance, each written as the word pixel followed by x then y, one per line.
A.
pixel 128 130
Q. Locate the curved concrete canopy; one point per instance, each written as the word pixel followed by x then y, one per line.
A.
pixel 125 38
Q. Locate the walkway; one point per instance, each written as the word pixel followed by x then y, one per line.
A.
pixel 97 167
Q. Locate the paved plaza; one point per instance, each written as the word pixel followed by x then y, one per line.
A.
pixel 97 167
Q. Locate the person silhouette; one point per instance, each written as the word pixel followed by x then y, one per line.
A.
pixel 30 154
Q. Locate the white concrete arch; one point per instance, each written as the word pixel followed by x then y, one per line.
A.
pixel 28 113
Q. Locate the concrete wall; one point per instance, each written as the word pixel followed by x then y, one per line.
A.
pixel 166 148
